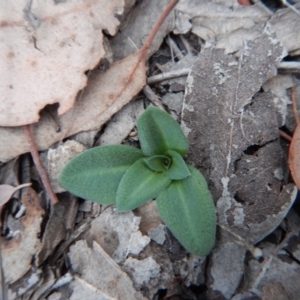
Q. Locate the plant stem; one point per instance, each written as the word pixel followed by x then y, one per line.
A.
pixel 41 170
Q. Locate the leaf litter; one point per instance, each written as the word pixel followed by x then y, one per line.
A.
pixel 218 116
pixel 221 279
pixel 107 91
pixel 31 57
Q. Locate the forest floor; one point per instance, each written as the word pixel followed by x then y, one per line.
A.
pixel 81 74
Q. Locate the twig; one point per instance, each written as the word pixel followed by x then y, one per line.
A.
pixel 152 97
pixel 174 49
pixel 171 49
pixel 168 75
pixel 156 27
pixel 285 136
pixel 289 65
pixel 41 170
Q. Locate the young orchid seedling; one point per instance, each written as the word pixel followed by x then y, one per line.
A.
pixel 129 177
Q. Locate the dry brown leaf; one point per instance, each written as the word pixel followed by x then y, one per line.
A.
pixel 6 191
pixel 18 251
pixel 45 51
pixel 106 93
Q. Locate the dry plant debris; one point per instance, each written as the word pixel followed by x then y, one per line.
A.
pixel 106 93
pixel 45 49
pixel 6 191
pixel 234 102
pixel 24 243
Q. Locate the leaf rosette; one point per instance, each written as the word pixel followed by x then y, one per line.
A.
pixel 129 177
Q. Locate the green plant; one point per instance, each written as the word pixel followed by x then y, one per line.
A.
pixel 129 177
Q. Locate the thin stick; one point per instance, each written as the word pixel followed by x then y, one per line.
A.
pixel 152 97
pixel 168 75
pixel 293 95
pixel 285 136
pixel 41 170
pixel 157 26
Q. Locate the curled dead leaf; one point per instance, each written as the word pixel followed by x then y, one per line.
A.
pixel 6 191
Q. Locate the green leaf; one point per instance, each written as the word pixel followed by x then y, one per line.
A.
pixel 139 185
pixel 178 169
pixel 159 132
pixel 96 173
pixel 187 208
pixel 158 163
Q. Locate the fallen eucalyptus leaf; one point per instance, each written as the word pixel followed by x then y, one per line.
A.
pixel 6 191
pixel 67 36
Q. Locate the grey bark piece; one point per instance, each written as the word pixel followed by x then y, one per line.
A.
pixel 86 138
pixel 213 17
pixel 100 270
pixel 278 86
pixel 227 268
pixel 121 124
pixel 58 158
pixel 113 231
pixel 137 27
pixel 173 101
pixel 142 271
pixel 83 290
pixel 182 23
pixel 158 234
pixel 137 243
pixel 232 42
pixel 284 22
